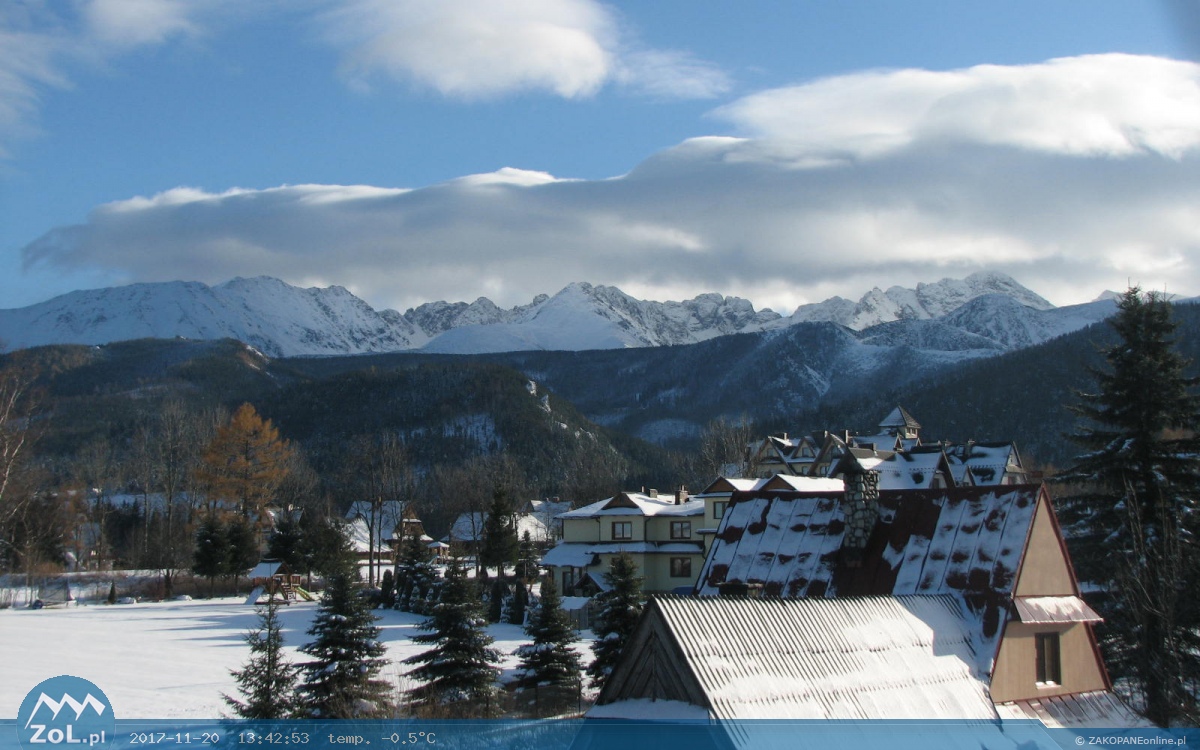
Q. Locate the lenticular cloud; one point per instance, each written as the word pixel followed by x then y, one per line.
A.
pixel 1073 175
pixel 1095 105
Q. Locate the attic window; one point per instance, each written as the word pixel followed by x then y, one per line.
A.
pixel 1048 653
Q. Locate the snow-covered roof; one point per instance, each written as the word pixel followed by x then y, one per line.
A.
pixel 964 541
pixel 265 569
pixel 899 418
pixel 725 485
pixel 988 462
pixel 583 554
pixel 1054 609
pixel 1099 710
pixel 468 527
pixel 802 484
pixel 389 518
pixel 638 504
pixel 835 659
pixel 549 508
pixel 911 471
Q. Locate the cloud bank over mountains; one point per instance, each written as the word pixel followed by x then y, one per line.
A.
pixel 1077 174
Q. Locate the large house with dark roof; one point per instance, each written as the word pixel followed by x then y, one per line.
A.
pixel 949 602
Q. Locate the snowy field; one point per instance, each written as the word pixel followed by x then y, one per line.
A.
pixel 171 660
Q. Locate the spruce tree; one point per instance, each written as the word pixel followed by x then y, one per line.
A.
pixel 500 543
pixel 268 681
pixel 618 611
pixel 518 604
pixel 548 677
pixel 1131 512
pixel 459 673
pixel 241 546
pixel 342 680
pixel 409 569
pixel 287 544
pixel 211 557
pixel 527 561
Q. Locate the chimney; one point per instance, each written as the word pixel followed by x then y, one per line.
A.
pixel 653 492
pixel 681 495
pixel 861 510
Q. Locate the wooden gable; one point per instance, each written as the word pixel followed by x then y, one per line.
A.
pixel 653 665
pixel 622 500
pixel 1047 603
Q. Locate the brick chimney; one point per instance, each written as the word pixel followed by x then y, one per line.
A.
pixel 681 495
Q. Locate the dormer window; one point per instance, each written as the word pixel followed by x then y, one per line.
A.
pixel 1048 653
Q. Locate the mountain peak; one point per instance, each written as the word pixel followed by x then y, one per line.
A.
pixel 926 301
pixel 283 320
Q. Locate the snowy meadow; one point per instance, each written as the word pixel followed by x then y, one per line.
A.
pixel 167 660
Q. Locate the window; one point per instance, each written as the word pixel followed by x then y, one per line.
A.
pixel 1049 662
pixel 568 579
pixel 681 529
pixel 719 509
pixel 622 530
pixel 681 567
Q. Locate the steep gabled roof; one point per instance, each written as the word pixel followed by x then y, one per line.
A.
pixel 868 658
pixel 898 418
pixel 637 504
pixel 988 462
pixel 964 541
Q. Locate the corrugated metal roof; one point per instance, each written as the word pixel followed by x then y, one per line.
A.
pixel 1101 709
pixel 1054 609
pixel 862 658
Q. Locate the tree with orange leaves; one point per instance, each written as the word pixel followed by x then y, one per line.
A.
pixel 245 463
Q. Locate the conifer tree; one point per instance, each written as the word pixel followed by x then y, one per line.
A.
pixel 287 544
pixel 211 557
pixel 548 676
pixel 619 609
pixel 241 546
pixel 268 681
pixel 1131 514
pixel 342 680
pixel 527 561
pixel 409 570
pixel 459 672
pixel 500 543
pixel 518 604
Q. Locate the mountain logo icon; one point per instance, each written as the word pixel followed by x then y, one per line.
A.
pixel 89 701
pixel 65 710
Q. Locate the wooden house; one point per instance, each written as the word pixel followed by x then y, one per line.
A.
pixel 939 603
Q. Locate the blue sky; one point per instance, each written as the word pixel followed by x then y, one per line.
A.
pixel 415 150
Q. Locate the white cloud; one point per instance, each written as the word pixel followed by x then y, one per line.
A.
pixel 1105 105
pixel 40 44
pixel 490 48
pixel 1067 207
pixel 132 23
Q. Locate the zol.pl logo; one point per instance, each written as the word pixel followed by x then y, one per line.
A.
pixel 65 710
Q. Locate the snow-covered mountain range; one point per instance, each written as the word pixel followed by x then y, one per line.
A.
pixel 983 311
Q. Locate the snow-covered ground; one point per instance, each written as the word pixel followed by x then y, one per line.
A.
pixel 171 660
